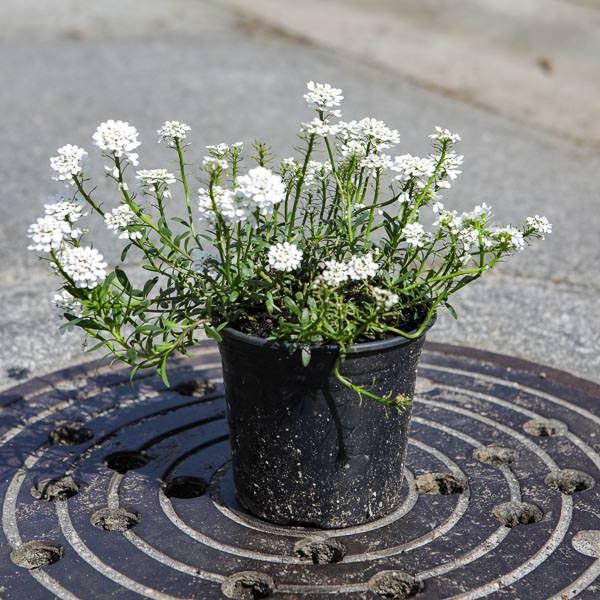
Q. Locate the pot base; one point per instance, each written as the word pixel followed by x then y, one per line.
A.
pixel 222 492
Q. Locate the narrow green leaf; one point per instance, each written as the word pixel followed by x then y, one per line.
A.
pixel 212 333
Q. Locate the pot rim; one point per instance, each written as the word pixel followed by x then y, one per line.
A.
pixel 376 345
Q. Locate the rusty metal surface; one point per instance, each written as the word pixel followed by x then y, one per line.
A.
pixel 144 505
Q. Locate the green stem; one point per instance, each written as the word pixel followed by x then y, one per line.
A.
pixel 185 185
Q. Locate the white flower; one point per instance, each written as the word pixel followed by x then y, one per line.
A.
pixel 451 165
pixel 415 235
pixel 353 148
pixel 316 172
pixel 404 198
pixel 362 267
pixel 67 163
pixel 319 127
pixel 231 207
pixel 64 302
pixel 284 257
pixel 370 132
pixel 212 163
pixel 49 233
pixel 481 210
pixel 290 163
pixel 334 273
pixel 84 265
pixel 172 131
pixel 469 237
pixel 509 236
pixel 385 297
pixel 378 133
pixel 322 95
pixel 262 187
pixel 63 208
pixel 218 149
pixel 119 138
pixel 413 167
pixel 540 225
pixel 449 219
pixel 203 262
pixel 444 135
pixel 153 177
pixel 376 161
pixel 118 219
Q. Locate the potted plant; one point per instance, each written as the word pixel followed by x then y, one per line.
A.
pixel 314 274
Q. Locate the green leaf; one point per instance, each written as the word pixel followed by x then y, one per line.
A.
pixel 305 353
pixel 149 285
pixel 291 306
pixel 451 310
pixel 212 333
pixel 162 370
pixel 123 279
pixel 125 252
pixel 270 305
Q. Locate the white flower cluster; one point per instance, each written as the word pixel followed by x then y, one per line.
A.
pixel 232 208
pixel 334 273
pixel 366 133
pixel 509 236
pixel 451 168
pixel 49 233
pixel 119 219
pixel 444 135
pixel 262 187
pixel 215 163
pixel 322 95
pixel 414 168
pixel 374 162
pixel 317 172
pixel 357 268
pixel 220 150
pixel 203 262
pixel 415 235
pixel 455 223
pixel 540 225
pixel 64 302
pixel 320 127
pixel 385 297
pixel 64 208
pixel 119 138
pixel 353 148
pixel 171 131
pixel 67 163
pixel 84 265
pixel 152 177
pixel 284 257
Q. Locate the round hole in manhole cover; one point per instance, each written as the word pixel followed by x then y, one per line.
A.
pixel 185 486
pixel 37 554
pixel 126 460
pixel 70 434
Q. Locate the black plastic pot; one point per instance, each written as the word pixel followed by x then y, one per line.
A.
pixel 305 449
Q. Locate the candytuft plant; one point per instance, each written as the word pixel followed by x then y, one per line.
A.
pixel 323 248
pixel 315 274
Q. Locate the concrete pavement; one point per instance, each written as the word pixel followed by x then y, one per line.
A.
pixel 231 79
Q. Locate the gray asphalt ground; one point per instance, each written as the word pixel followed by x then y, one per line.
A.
pixel 232 80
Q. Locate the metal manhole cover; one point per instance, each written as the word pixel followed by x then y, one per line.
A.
pixel 119 490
